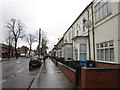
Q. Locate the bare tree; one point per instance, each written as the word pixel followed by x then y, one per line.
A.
pixel 30 39
pixel 16 28
pixel 44 42
pixel 9 42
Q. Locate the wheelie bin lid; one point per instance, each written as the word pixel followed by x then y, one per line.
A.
pixel 83 60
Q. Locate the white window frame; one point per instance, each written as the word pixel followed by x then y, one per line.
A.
pixel 83 52
pixel 102 10
pixel 103 56
pixel 76 54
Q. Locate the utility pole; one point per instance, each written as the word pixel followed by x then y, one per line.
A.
pixel 39 41
pixel 9 48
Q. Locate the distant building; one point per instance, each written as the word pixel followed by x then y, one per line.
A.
pixel 59 50
pixel 6 51
pixel 22 51
pixel 53 51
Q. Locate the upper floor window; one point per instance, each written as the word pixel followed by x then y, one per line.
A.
pixel 66 39
pixel 102 9
pixel 77 32
pixel 83 24
pixel 83 28
pixel 79 28
pixel 69 36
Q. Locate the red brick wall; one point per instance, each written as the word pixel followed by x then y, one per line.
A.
pixel 70 74
pixel 100 79
pixel 107 65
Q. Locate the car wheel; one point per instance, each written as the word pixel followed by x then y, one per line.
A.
pixel 30 67
pixel 39 66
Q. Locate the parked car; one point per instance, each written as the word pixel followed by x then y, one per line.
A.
pixel 34 62
pixel 28 56
pixel 41 58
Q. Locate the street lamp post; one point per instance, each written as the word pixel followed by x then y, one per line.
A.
pixel 39 42
pixel 9 46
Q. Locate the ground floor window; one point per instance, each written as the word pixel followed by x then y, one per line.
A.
pixel 57 54
pixel 83 51
pixel 60 53
pixel 76 54
pixel 105 51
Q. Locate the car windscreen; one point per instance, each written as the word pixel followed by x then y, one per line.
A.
pixel 34 59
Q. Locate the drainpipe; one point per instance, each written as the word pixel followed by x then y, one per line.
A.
pixel 93 33
pixel 72 44
pixel 89 39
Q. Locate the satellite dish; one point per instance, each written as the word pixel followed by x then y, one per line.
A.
pixel 87 23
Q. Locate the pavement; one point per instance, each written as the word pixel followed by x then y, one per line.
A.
pixel 50 76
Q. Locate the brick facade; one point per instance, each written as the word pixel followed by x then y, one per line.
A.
pixel 69 73
pixel 100 78
pixel 107 65
pixel 93 77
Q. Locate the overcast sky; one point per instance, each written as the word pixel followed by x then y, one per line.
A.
pixel 52 16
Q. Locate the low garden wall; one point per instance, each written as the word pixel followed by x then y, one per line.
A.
pixel 100 78
pixel 92 77
pixel 69 72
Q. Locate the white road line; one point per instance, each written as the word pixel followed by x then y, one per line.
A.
pixel 20 70
pixel 11 63
pixel 13 75
pixel 2 81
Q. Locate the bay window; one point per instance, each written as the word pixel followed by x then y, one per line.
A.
pixel 83 51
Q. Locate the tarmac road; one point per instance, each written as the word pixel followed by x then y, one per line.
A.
pixel 17 75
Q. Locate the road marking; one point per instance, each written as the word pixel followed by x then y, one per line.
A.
pixel 13 75
pixel 11 63
pixel 2 81
pixel 20 70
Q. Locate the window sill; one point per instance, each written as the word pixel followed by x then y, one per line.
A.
pixel 106 62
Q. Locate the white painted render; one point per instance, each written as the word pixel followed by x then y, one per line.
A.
pixel 76 45
pixel 105 30
pixel 67 51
